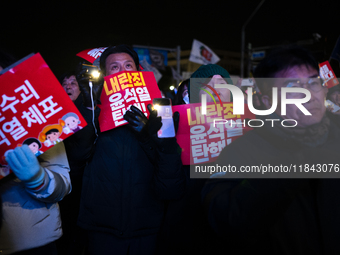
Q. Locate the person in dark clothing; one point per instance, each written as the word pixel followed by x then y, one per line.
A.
pixel 70 84
pixel 129 175
pixel 280 215
pixel 74 238
pixel 186 229
pixel 182 95
pixel 167 80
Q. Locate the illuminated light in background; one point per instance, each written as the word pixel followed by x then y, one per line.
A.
pixel 95 74
pixel 156 106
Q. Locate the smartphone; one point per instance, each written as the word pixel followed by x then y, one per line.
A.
pixel 163 107
pixel 92 71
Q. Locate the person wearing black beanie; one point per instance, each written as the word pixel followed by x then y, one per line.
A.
pixel 130 173
pixel 123 48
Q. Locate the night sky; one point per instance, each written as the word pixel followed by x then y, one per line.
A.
pixel 59 30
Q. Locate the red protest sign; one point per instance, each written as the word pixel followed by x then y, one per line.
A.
pixel 202 137
pixel 120 91
pixel 34 109
pixel 91 54
pixel 326 73
pixel 183 132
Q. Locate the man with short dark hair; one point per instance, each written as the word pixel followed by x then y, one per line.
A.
pixel 118 58
pixel 279 215
pixel 70 85
pixel 129 176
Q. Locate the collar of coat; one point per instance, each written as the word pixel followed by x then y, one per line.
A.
pixel 294 137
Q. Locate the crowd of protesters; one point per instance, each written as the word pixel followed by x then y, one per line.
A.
pixel 131 194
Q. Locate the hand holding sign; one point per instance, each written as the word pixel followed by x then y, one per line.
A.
pixel 147 129
pixel 32 104
pixel 123 89
pixel 143 127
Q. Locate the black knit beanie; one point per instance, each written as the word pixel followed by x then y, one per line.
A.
pixel 123 48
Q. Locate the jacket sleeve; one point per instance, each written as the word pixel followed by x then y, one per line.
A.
pixel 169 178
pixel 57 180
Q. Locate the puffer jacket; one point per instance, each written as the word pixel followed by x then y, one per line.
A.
pixel 126 183
pixel 31 218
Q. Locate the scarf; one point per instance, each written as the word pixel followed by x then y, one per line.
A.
pixel 312 136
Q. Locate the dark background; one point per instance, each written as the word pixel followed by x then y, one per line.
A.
pixel 59 30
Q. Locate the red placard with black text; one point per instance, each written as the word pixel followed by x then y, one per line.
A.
pixel 120 91
pixel 34 110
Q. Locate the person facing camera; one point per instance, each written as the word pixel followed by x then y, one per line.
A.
pixel 280 214
pixel 130 173
pixel 206 78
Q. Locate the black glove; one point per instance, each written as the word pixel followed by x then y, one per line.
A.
pixel 83 79
pixel 143 127
pixel 146 129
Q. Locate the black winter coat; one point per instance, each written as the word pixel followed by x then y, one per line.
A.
pixel 276 216
pixel 126 183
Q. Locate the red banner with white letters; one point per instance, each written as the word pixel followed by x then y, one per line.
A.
pixel 34 110
pixel 91 54
pixel 327 73
pixel 202 137
pixel 120 91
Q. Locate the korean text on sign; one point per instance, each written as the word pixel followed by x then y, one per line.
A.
pixel 31 112
pixel 209 137
pixel 132 91
pixel 327 73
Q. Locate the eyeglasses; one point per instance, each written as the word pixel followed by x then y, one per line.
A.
pixel 313 84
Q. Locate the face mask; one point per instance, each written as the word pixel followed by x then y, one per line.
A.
pixel 186 99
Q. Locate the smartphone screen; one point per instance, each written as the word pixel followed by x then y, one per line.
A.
pixel 163 107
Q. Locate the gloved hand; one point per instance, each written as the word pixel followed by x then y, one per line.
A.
pixel 147 129
pixel 26 167
pixel 83 79
pixel 143 127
